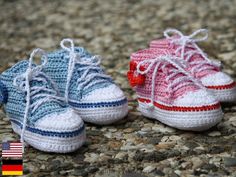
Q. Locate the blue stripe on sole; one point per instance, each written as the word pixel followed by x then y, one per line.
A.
pixel 98 105
pixel 68 134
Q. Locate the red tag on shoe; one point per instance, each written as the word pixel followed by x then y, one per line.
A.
pixel 134 77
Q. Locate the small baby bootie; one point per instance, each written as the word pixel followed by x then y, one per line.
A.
pixel 197 62
pixel 37 112
pixel 166 92
pixel 85 86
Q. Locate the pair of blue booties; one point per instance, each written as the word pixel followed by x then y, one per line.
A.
pixel 47 103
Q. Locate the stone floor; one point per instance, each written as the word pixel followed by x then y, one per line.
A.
pixel 135 147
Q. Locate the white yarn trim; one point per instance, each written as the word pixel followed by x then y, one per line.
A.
pixel 225 95
pixel 216 79
pixel 50 143
pixel 103 116
pixel 193 121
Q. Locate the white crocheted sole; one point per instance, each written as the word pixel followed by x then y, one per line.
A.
pixel 225 95
pixel 103 115
pixel 193 121
pixel 52 143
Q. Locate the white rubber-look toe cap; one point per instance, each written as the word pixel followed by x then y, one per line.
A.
pixel 65 121
pixel 216 79
pixel 196 98
pixel 60 132
pixel 221 85
pixel 109 93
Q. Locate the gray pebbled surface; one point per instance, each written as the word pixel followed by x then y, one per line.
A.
pixel 135 147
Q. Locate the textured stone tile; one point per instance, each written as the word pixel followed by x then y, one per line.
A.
pixel 135 147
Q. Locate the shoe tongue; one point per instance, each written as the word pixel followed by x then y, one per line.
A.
pixel 160 43
pixel 82 52
pixel 88 61
pixel 190 86
pixel 167 45
pixel 36 82
pixel 187 85
pixel 81 68
pixel 41 85
pixel 84 56
pixel 172 70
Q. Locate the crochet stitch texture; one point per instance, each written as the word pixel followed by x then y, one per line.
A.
pixel 3 93
pixel 167 92
pixel 85 86
pixel 36 110
pixel 197 62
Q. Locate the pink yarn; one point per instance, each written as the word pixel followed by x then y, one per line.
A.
pixel 165 44
pixel 161 84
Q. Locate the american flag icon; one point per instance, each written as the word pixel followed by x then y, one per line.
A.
pixel 12 149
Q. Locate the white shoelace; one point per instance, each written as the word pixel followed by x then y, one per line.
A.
pixel 161 62
pixel 87 78
pixel 23 83
pixel 190 41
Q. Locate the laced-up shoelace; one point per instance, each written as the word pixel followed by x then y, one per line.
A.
pixel 87 79
pixel 161 63
pixel 190 41
pixel 34 73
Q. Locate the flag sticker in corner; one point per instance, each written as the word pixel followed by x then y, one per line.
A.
pixel 12 163
pixel 13 149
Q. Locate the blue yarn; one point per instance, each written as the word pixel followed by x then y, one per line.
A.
pixel 15 105
pixel 99 104
pixel 57 69
pixel 3 93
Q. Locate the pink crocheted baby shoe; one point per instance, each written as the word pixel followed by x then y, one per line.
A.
pixel 167 92
pixel 197 62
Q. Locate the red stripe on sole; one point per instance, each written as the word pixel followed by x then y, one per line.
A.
pixel 182 109
pixel 222 87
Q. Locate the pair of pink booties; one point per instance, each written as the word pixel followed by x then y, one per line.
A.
pixel 177 84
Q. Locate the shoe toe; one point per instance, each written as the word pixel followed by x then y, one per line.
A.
pixel 196 98
pixel 68 120
pixel 221 85
pixel 109 93
pixel 205 112
pixel 217 79
pixel 104 106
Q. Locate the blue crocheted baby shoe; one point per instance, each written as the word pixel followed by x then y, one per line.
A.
pixel 37 113
pixel 85 86
pixel 3 93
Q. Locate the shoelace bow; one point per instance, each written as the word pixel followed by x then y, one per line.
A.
pixel 34 73
pixel 190 41
pixel 161 63
pixel 87 79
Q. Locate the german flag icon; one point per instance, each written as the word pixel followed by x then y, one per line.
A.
pixel 12 167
